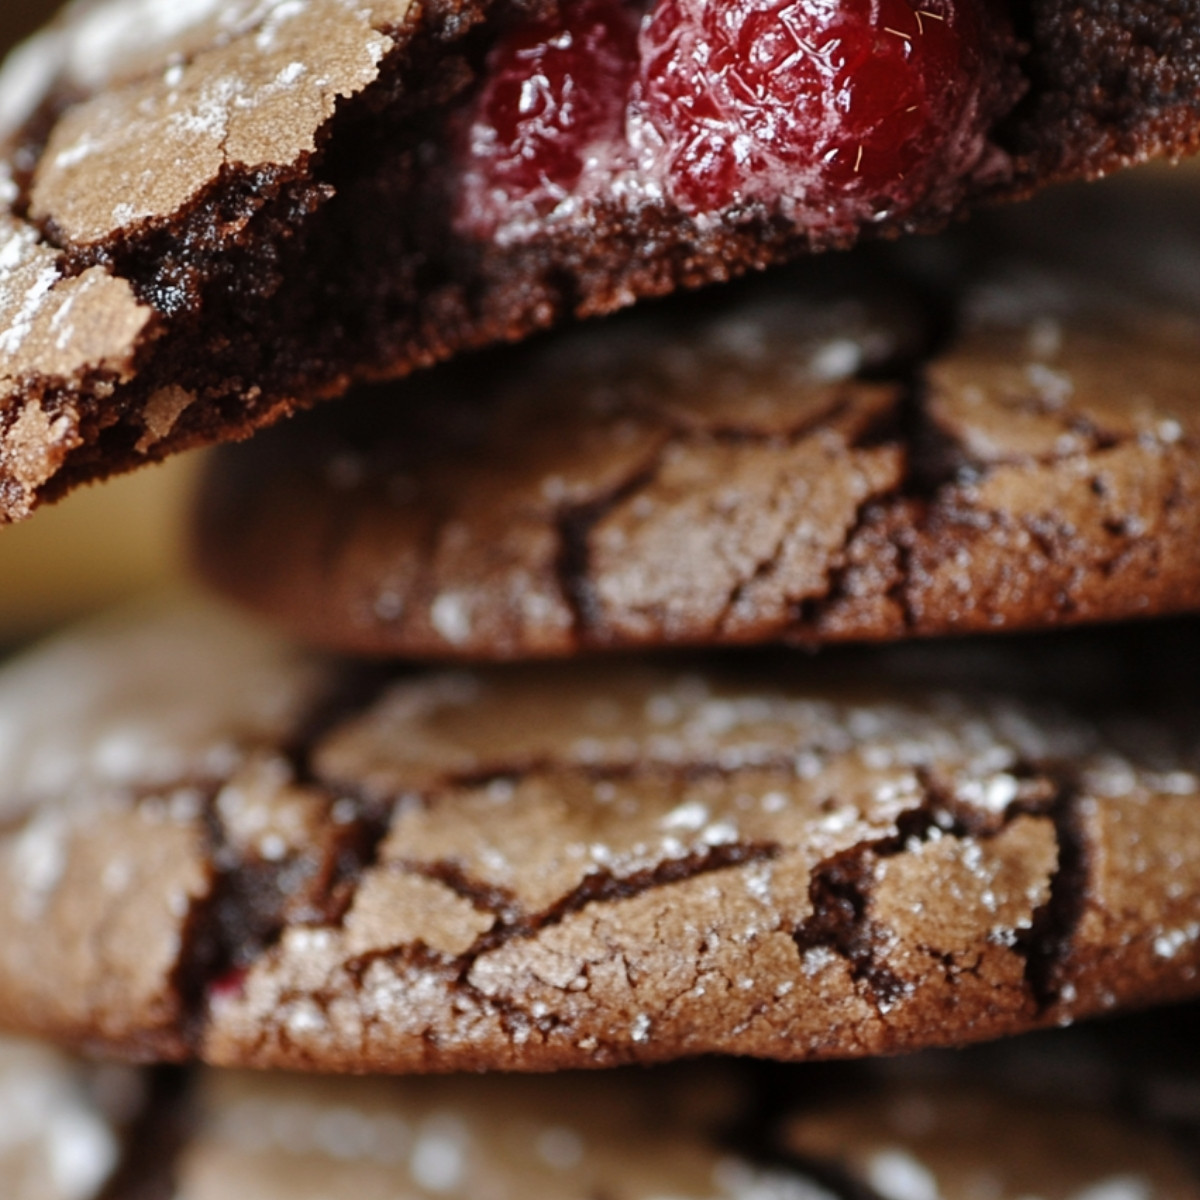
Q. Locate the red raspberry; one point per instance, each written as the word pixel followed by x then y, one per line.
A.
pixel 829 112
pixel 824 105
pixel 551 90
pixel 228 986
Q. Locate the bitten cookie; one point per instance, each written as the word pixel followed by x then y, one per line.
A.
pixel 213 213
pixel 821 456
pixel 253 857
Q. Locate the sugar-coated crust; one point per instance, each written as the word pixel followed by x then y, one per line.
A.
pixel 117 975
pixel 218 848
pixel 210 214
pixel 824 456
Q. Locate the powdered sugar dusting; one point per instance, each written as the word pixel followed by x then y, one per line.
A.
pixel 106 710
pixel 34 298
pixel 102 35
pixel 52 329
pixel 261 82
pixel 896 1175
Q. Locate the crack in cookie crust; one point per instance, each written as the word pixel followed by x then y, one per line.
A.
pixel 577 865
pixel 843 453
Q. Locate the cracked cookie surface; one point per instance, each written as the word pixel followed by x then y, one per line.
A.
pixel 257 857
pixel 213 214
pixel 833 454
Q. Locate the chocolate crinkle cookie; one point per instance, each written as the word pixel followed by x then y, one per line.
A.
pixel 976 433
pixel 1056 1116
pixel 215 846
pixel 211 213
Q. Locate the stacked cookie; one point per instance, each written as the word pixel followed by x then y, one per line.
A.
pixel 678 684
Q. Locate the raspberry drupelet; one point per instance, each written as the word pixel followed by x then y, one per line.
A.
pixel 829 113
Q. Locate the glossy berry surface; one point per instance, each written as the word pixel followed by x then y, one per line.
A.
pixel 808 99
pixel 830 112
pixel 551 92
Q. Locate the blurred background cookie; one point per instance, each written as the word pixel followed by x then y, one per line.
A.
pixel 1111 1114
